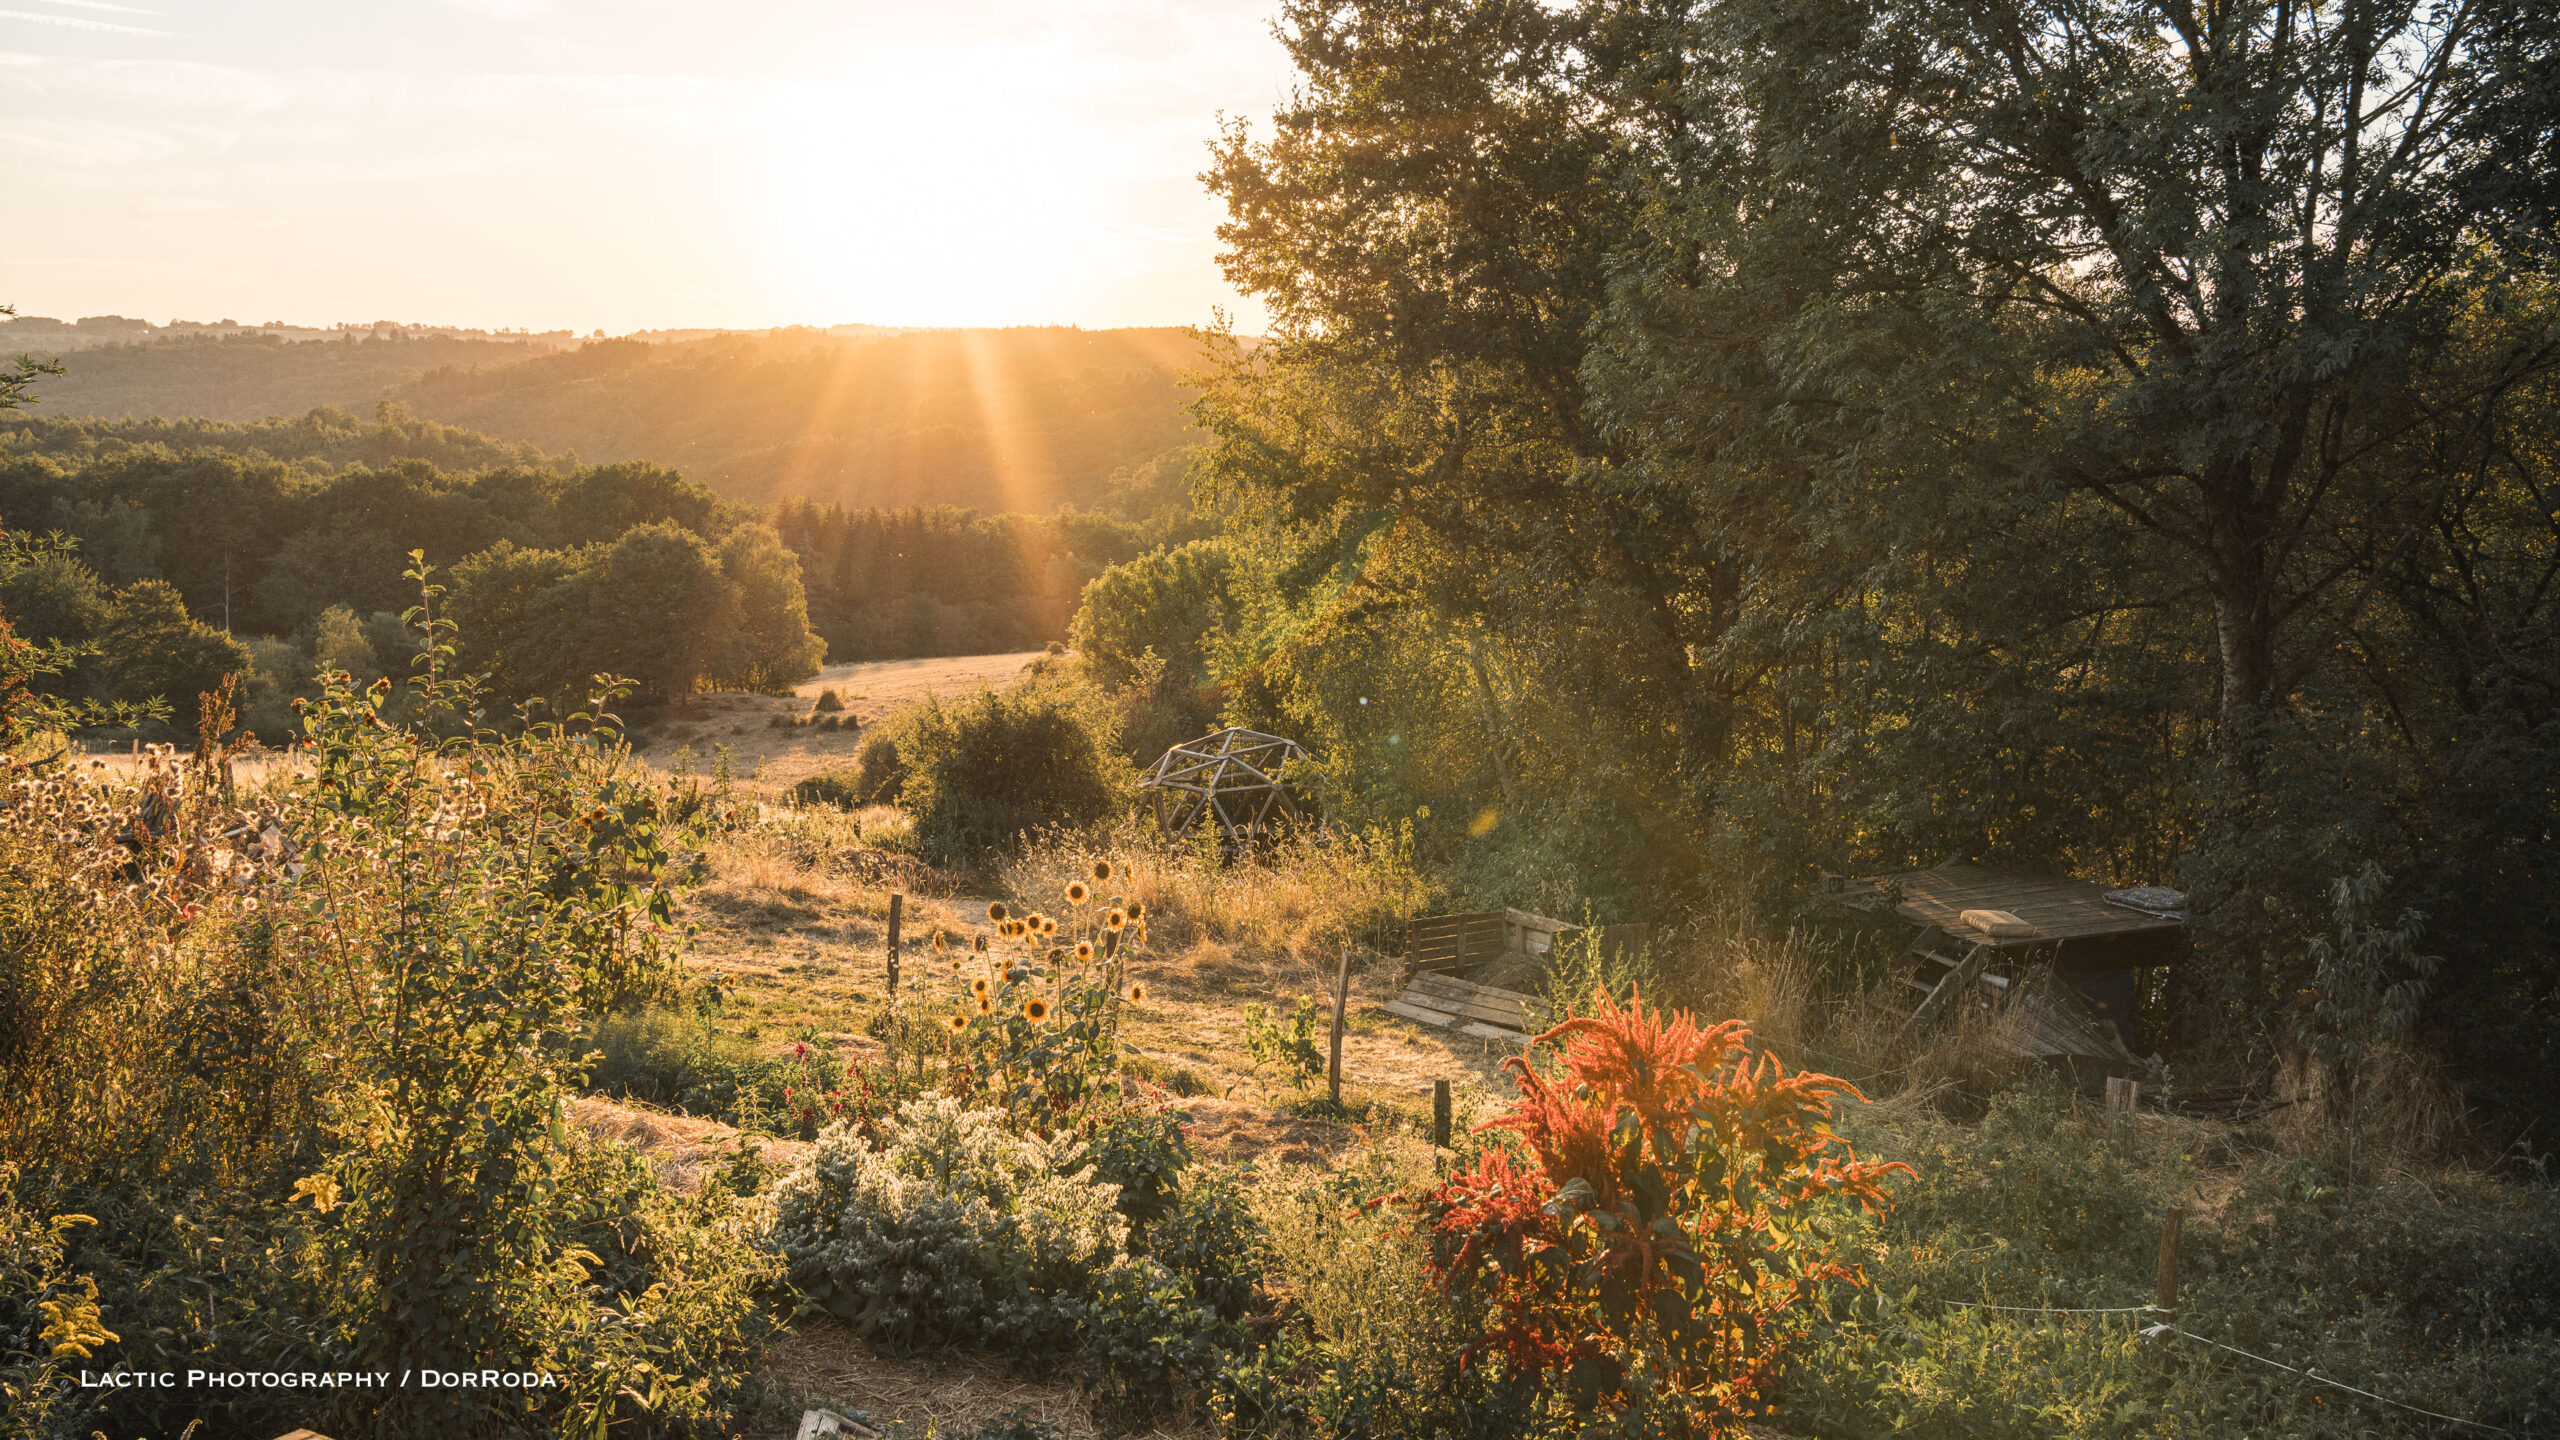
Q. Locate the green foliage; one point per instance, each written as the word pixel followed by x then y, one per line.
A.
pixel 150 648
pixel 1149 1342
pixel 886 584
pixel 1145 1153
pixel 1213 1239
pixel 1290 1045
pixel 2435 1295
pixel 981 772
pixel 322 1107
pixel 952 1230
pixel 839 788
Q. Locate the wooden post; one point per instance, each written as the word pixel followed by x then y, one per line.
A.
pixel 2164 1304
pixel 896 904
pixel 2123 1096
pixel 1341 997
pixel 1440 1114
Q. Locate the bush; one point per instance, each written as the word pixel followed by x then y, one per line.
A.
pixel 1149 1342
pixel 829 702
pixel 1144 1153
pixel 1212 1238
pixel 953 1231
pixel 980 773
pixel 838 788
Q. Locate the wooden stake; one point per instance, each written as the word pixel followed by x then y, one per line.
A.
pixel 896 904
pixel 1440 1114
pixel 2164 1304
pixel 1341 996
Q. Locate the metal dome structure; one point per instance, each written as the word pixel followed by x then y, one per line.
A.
pixel 1235 778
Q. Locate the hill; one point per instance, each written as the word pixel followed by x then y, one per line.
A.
pixel 251 376
pixel 1022 420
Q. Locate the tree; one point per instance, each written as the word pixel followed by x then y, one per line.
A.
pixel 151 649
pixel 772 646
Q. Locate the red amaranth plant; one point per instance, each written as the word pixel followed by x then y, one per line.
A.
pixel 1659 1233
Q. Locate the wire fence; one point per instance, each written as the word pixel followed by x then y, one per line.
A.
pixel 2163 1329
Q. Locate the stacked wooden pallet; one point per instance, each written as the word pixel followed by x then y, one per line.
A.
pixel 1471 1009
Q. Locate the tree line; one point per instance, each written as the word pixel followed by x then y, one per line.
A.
pixel 1704 445
pixel 186 565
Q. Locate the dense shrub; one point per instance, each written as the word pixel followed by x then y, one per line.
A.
pixel 839 788
pixel 952 1231
pixel 1149 1342
pixel 981 772
pixel 1143 1151
pixel 1212 1238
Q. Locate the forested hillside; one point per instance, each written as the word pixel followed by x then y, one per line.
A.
pixel 251 377
pixel 1027 420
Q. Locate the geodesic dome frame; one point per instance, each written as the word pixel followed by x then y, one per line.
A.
pixel 1234 777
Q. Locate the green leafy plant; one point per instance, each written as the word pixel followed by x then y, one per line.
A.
pixel 1291 1046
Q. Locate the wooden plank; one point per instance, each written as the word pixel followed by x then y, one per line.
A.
pixel 1949 985
pixel 1458 985
pixel 1499 1014
pixel 1452 988
pixel 1447 1022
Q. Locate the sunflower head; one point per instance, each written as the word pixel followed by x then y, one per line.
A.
pixel 1084 951
pixel 958 1023
pixel 1076 892
pixel 985 1005
pixel 996 911
pixel 1035 1010
pixel 1101 869
pixel 1116 919
pixel 941 942
pixel 1048 927
pixel 1138 993
pixel 1137 909
pixel 978 987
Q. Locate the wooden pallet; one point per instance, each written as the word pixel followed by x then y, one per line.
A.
pixel 1450 1003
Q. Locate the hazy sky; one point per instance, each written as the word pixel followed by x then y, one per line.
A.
pixel 621 164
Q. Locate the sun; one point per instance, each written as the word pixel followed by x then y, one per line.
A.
pixel 919 200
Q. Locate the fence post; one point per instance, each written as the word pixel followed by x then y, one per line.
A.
pixel 1440 1114
pixel 1341 995
pixel 896 904
pixel 2164 1303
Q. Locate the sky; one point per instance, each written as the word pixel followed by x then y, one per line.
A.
pixel 623 164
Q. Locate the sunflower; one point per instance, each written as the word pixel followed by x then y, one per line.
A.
pixel 985 1005
pixel 996 911
pixel 978 987
pixel 1116 919
pixel 1084 951
pixel 958 1023
pixel 941 942
pixel 1137 909
pixel 1101 869
pixel 1035 1010
pixel 1138 993
pixel 1048 927
pixel 1076 892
